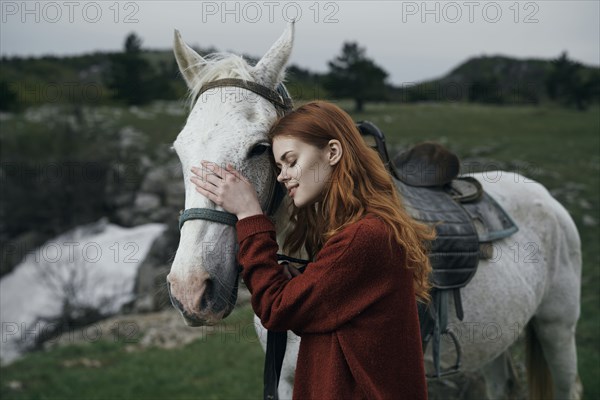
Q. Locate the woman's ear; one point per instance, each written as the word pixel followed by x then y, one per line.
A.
pixel 334 148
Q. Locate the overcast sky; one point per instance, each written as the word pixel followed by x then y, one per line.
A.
pixel 411 40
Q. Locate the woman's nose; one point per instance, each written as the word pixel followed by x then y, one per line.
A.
pixel 280 177
pixel 283 176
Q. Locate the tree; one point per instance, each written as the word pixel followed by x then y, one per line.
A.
pixel 9 100
pixel 354 75
pixel 130 74
pixel 567 84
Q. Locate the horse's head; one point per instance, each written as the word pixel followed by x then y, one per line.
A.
pixel 225 125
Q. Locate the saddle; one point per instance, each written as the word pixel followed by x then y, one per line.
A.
pixel 466 221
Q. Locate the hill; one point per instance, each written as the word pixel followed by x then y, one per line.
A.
pixel 27 81
pixel 486 79
pixel 500 80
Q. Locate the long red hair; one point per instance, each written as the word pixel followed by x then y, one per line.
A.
pixel 359 183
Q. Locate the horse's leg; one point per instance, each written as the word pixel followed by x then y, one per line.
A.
pixel 555 320
pixel 286 383
pixel 500 377
pixel 557 341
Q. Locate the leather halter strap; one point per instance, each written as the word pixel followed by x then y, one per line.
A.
pixel 277 98
pixel 283 102
pixel 207 214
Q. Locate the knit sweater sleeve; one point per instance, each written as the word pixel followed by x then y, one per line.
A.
pixel 336 287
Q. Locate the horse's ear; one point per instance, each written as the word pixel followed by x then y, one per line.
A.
pixel 190 63
pixel 270 69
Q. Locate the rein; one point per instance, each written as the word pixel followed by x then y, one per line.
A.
pixel 282 101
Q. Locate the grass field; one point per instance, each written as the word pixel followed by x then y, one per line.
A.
pixel 558 147
pixel 220 366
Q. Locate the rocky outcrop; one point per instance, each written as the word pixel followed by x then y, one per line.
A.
pixel 159 198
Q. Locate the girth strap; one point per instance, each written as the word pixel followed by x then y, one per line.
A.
pixel 433 319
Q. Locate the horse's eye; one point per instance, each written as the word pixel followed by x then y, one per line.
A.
pixel 258 150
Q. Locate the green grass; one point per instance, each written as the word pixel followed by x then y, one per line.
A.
pixel 558 147
pixel 224 365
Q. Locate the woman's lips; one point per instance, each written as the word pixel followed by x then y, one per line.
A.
pixel 292 191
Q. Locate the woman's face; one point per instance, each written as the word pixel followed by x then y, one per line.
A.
pixel 303 168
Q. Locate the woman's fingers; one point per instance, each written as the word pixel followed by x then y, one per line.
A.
pixel 212 179
pixel 290 271
pixel 204 185
pixel 209 168
pixel 213 168
pixel 209 181
pixel 205 175
pixel 200 188
pixel 227 188
pixel 235 172
pixel 294 271
pixel 203 172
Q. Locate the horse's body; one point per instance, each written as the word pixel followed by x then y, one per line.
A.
pixel 533 277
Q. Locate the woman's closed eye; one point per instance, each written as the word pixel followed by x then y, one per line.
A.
pixel 291 165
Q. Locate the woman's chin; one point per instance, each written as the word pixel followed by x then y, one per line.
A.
pixel 298 202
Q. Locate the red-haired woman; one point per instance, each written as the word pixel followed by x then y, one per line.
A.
pixel 355 305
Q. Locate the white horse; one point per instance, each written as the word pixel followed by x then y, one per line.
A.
pixel 533 279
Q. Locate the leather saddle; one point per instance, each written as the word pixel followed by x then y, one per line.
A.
pixel 466 220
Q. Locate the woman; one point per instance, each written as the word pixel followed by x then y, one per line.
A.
pixel 355 305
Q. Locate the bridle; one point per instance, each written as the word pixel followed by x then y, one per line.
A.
pixel 282 101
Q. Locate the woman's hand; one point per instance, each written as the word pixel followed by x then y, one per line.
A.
pixel 226 188
pixel 290 271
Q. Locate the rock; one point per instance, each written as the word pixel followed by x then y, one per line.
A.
pixel 124 216
pixel 175 196
pixel 14 385
pixel 6 116
pixel 122 200
pixel 131 138
pixel 586 205
pixel 82 362
pixel 588 220
pixel 155 180
pixel 14 250
pixel 164 329
pixel 146 202
pixel 150 288
pixel 144 304
pixel 162 215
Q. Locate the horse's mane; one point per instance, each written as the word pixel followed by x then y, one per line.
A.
pixel 219 66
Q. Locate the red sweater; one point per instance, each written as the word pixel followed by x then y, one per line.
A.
pixel 354 308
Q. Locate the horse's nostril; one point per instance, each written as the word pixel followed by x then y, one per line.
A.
pixel 207 295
